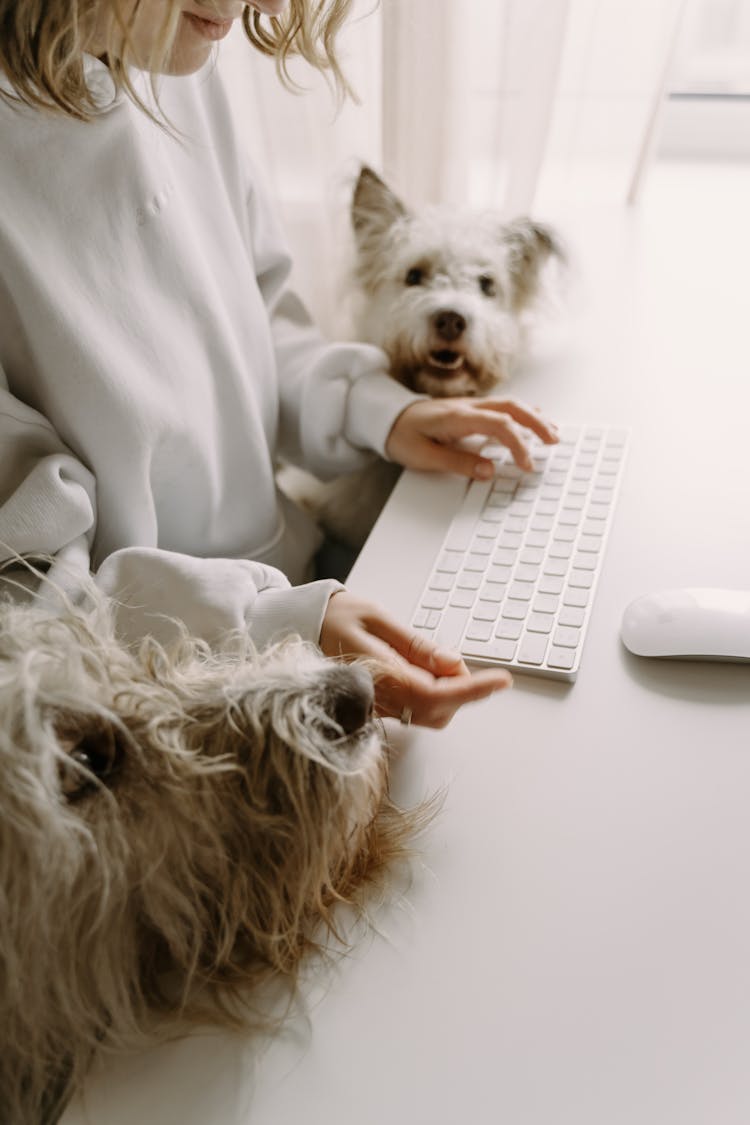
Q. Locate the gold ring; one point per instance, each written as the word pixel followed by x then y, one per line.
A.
pixel 405 716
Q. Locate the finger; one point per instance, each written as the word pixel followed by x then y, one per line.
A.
pixel 439 458
pixel 434 704
pixel 469 420
pixel 525 415
pixel 415 649
pixel 501 428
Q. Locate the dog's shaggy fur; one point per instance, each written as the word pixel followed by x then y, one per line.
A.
pixel 177 828
pixel 444 291
pixel 447 295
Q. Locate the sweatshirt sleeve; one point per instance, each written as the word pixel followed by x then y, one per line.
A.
pixel 48 511
pixel 337 400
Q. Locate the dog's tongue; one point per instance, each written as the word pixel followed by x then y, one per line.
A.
pixel 448 360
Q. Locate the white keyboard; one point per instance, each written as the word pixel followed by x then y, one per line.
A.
pixel 515 579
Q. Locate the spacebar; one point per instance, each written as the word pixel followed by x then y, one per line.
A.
pixel 451 627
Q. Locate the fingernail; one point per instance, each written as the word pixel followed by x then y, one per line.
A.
pixel 483 471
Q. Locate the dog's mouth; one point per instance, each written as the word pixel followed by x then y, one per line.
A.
pixel 444 359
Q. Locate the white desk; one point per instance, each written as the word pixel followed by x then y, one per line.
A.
pixel 575 949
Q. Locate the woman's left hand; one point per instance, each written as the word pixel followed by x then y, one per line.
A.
pixel 427 433
pixel 414 677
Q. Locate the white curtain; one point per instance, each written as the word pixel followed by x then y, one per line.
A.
pixel 517 105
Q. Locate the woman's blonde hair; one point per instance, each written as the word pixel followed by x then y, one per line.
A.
pixel 43 43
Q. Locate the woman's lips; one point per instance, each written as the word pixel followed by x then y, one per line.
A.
pixel 209 29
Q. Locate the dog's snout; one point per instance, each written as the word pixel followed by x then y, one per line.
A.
pixel 449 324
pixel 353 698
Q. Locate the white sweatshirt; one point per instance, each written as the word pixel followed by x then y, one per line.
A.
pixel 153 364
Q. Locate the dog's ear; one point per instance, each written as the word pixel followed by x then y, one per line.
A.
pixel 529 246
pixel 375 208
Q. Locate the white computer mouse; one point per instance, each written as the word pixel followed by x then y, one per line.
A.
pixel 697 624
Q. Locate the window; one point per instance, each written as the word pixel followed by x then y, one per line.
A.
pixel 708 110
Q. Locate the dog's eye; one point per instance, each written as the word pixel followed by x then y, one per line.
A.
pixel 487 285
pixel 94 758
pixel 415 276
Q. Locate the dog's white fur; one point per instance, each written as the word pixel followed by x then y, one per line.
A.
pixel 446 294
pixel 177 828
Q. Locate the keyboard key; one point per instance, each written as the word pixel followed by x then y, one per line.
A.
pixel 570 615
pixel 463 599
pixel 498 573
pixel 585 562
pixel 565 637
pixel 490 650
pixel 583 579
pixel 469 580
pixel 515 609
pixel 511 540
pixel 526 572
pixel 521 590
pixel 493 591
pixel 555 566
pixel 549 584
pixel 508 629
pixel 441 581
pixel 503 556
pixel 476 562
pixel 576 597
pixel 434 599
pixel 479 630
pixel 506 487
pixel 515 523
pixel 496 501
pixel 598 513
pixel 540 622
pixel 563 658
pixel 546 603
pixel 565 534
pixel 485 611
pixel 531 556
pixel 449 632
pixel 590 544
pixel 450 561
pixel 532 648
pixel 426 618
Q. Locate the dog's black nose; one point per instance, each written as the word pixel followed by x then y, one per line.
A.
pixel 449 324
pixel 353 698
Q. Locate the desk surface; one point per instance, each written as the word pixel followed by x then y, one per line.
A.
pixel 574 948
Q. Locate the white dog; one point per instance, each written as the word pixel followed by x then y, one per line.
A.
pixel 446 294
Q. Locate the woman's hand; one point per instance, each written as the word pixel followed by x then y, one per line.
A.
pixel 425 435
pixel 416 677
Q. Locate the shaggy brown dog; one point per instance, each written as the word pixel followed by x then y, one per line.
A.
pixel 176 829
